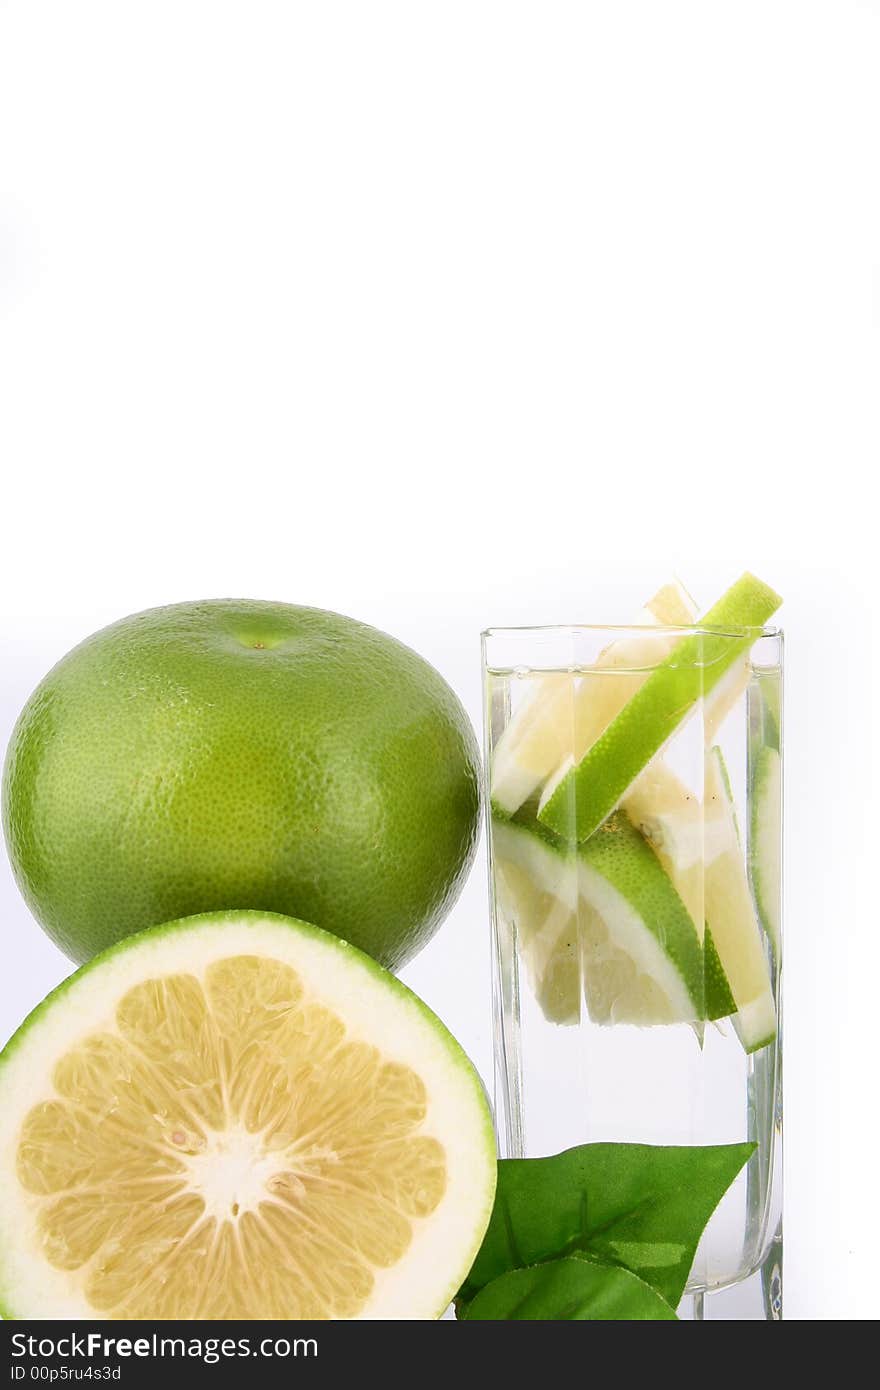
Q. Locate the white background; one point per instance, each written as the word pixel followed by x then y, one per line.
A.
pixel 443 314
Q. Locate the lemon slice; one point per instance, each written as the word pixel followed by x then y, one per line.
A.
pixel 565 713
pixel 238 1116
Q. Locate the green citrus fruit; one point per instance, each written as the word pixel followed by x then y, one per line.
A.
pixel 238 1116
pixel 235 754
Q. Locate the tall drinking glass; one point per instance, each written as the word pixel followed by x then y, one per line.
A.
pixel 634 828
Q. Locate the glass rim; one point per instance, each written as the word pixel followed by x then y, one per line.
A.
pixel 657 629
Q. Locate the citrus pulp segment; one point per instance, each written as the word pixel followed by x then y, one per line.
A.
pixel 673 818
pixel 238 1116
pixel 576 806
pixel 731 919
pixel 720 1003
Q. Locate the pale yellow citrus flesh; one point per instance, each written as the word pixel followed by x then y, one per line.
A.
pixel 731 917
pixel 227 1151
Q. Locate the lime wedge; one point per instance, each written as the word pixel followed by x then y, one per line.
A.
pixel 607 916
pixel 672 820
pixel 671 606
pixel 565 714
pixel 731 919
pixel 686 832
pixel 587 792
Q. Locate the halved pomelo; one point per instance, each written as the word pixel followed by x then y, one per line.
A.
pixel 238 1116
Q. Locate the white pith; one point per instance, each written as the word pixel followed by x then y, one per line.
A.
pixel 423 1282
pixel 233 1172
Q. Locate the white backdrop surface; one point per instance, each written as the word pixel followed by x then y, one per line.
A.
pixel 448 315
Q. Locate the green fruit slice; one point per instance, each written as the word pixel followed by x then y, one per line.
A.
pixel 765 841
pixel 730 917
pixel 765 712
pixel 723 697
pixel 720 1003
pixel 608 916
pixel 575 806
pixel 565 714
pixel 238 1116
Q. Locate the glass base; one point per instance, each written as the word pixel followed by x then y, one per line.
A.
pixel 757 1298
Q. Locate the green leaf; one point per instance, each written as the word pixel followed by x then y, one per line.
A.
pixel 640 1206
pixel 570 1289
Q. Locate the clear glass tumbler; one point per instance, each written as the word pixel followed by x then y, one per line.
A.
pixel 634 803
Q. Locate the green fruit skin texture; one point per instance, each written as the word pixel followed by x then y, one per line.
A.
pixel 239 754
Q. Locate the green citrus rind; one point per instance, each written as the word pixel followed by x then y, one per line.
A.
pixel 204 756
pixel 618 856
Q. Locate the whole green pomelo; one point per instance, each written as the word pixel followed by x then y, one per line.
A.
pixel 236 754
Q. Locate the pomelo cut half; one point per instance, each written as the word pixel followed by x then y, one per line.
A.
pixel 238 1116
pixel 731 919
pixel 765 840
pixel 605 921
pixel 566 712
pixel 576 804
